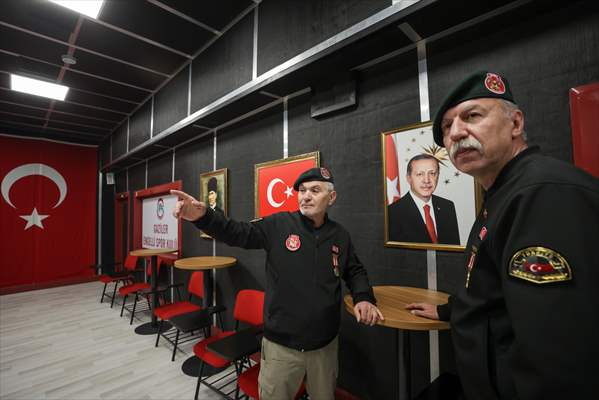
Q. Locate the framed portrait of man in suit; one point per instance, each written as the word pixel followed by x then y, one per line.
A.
pixel 213 192
pixel 428 203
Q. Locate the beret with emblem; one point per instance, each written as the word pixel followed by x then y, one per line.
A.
pixel 481 84
pixel 314 174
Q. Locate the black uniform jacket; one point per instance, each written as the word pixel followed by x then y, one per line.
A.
pixel 302 308
pixel 515 338
pixel 406 224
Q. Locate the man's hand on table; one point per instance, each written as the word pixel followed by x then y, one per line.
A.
pixel 424 310
pixel 188 207
pixel 367 313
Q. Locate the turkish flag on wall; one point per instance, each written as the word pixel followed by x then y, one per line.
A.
pixel 47 211
pixel 275 185
pixel 391 170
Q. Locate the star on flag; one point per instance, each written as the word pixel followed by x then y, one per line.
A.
pixel 34 219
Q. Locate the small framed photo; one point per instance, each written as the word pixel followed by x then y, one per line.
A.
pixel 273 183
pixel 428 203
pixel 214 191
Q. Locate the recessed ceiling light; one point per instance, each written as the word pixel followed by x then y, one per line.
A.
pixel 91 8
pixel 68 59
pixel 38 88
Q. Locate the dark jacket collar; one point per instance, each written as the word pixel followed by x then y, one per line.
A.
pixel 511 168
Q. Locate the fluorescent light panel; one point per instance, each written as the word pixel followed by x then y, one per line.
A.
pixel 37 87
pixel 91 8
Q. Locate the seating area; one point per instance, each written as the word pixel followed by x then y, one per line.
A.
pixel 182 321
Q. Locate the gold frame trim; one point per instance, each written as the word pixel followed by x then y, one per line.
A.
pixel 282 161
pixel 478 196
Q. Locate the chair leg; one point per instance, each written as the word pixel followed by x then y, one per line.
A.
pixel 103 293
pixel 116 284
pixel 238 370
pixel 123 305
pixel 176 344
pixel 133 312
pixel 159 330
pixel 199 379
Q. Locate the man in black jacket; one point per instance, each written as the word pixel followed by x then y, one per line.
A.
pixel 420 216
pixel 307 254
pixel 524 323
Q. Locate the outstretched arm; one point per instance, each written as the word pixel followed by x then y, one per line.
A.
pixel 188 207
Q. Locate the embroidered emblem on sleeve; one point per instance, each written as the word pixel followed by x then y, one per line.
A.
pixel 539 265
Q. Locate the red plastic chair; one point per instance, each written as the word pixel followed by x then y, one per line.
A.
pixel 165 312
pixel 248 309
pixel 139 289
pixel 118 277
pixel 248 383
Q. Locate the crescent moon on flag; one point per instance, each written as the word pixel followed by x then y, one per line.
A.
pixel 271 185
pixel 33 169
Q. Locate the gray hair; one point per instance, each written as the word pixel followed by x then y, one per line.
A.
pixel 509 109
pixel 329 186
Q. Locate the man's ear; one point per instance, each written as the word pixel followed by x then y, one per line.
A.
pixel 332 197
pixel 518 121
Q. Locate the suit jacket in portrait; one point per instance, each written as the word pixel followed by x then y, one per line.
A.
pixel 406 223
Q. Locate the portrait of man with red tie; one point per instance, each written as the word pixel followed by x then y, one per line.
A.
pixel 420 216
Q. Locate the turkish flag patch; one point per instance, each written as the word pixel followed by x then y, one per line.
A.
pixel 293 243
pixel 539 265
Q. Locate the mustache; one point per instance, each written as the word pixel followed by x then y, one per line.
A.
pixel 465 144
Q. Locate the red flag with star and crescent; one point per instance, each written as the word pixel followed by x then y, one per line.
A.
pixel 275 185
pixel 48 212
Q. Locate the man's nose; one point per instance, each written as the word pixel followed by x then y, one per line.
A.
pixel 457 131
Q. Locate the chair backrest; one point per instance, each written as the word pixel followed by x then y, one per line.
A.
pixel 196 284
pixel 249 307
pixel 130 263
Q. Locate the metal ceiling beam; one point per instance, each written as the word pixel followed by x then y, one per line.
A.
pixel 184 16
pixel 104 95
pixel 18 28
pixel 55 120
pixel 75 70
pixel 79 104
pixel 59 112
pixel 136 36
pixel 186 63
pixel 94 135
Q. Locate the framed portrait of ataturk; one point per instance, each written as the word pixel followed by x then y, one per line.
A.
pixel 428 203
pixel 214 191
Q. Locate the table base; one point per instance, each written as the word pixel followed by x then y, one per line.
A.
pixel 149 329
pixel 191 367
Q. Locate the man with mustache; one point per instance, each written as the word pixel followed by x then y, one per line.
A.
pixel 524 323
pixel 420 216
pixel 307 256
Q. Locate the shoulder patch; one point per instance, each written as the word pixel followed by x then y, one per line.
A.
pixel 539 265
pixel 256 220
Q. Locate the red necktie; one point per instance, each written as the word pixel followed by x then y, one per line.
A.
pixel 430 225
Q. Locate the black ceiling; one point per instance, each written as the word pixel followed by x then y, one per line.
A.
pixel 125 56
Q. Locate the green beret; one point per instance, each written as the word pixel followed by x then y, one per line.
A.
pixel 480 84
pixel 314 174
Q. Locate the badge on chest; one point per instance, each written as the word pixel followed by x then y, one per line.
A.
pixel 293 242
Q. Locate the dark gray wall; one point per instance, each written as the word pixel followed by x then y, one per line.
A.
pixel 542 56
pixel 210 80
pixel 139 125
